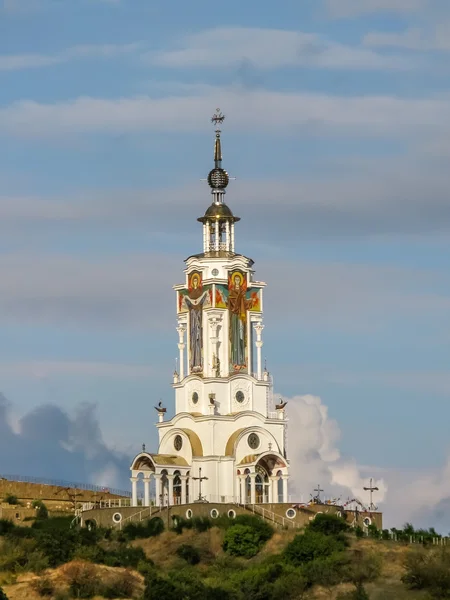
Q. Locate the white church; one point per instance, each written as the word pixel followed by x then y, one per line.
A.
pixel 227 440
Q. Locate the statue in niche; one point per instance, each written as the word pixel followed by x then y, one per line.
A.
pixel 195 300
pixel 238 304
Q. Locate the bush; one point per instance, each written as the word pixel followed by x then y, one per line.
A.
pixel 124 556
pixel 358 594
pixel 120 585
pixel 428 570
pixel 41 509
pixel 3 596
pixel 190 554
pixel 242 540
pixel 82 579
pixel 328 571
pixel 275 581
pixel 262 527
pixel 6 526
pixel 150 528
pixel 363 567
pixel 11 499
pixel 310 546
pixel 328 524
pixel 43 586
pixel 359 532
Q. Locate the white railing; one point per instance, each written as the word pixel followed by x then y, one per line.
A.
pixel 272 415
pixel 113 503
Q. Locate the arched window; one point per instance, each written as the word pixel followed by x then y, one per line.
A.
pixel 177 488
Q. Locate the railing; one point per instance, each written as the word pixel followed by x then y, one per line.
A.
pixel 269 515
pixel 66 484
pixel 272 415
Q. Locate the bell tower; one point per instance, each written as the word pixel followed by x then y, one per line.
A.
pixel 226 431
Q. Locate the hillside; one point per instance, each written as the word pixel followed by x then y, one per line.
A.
pixel 231 561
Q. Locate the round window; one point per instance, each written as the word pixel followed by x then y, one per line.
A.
pixel 194 398
pixel 215 272
pixel 178 442
pixel 240 396
pixel 367 521
pixel 117 517
pixel 253 441
pixel 291 513
pixel 231 514
pixel 189 513
pixel 214 513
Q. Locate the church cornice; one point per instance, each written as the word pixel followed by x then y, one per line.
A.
pixel 231 418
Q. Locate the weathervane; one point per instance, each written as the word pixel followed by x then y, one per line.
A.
pixel 218 118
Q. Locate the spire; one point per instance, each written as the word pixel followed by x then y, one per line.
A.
pixel 218 178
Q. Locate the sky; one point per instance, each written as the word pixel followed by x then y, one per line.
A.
pixel 337 130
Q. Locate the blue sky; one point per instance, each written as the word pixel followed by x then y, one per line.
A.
pixel 337 129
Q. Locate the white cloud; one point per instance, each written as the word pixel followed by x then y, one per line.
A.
pixel 412 39
pixel 14 62
pixel 230 47
pixel 355 8
pixel 266 110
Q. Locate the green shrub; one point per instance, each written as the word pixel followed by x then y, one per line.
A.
pixel 242 540
pixel 3 596
pixel 190 554
pixel 358 594
pixel 6 526
pixel 328 571
pixel 428 570
pixel 260 525
pixel 36 562
pixel 328 524
pixel 124 556
pixel 41 509
pixel 310 546
pixel 363 567
pixel 149 528
pixel 43 586
pixel 358 531
pixel 275 581
pixel 201 524
pixel 11 499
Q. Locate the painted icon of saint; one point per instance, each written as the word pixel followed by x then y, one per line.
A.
pixel 194 302
pixel 238 305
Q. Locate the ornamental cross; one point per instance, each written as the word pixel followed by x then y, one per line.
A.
pixel 371 489
pixel 218 118
pixel 200 479
pixel 318 490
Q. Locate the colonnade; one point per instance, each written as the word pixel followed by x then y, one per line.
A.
pixel 161 491
pixel 272 497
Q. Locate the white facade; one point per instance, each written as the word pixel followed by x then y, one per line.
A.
pixel 227 441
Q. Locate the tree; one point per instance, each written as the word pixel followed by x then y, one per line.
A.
pixel 310 546
pixel 328 524
pixel 242 540
pixel 41 509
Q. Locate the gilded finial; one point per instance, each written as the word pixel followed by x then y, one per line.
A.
pixel 217 119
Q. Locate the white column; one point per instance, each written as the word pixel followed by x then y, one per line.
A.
pixel 170 479
pixel 216 233
pixel 147 491
pixel 181 346
pixel 252 488
pixel 183 489
pixel 208 236
pixel 285 487
pixel 227 235
pixel 270 499
pixel 204 238
pixel 232 237
pixel 238 489
pixel 158 488
pixel 258 327
pixel 274 486
pixel 242 489
pixel 134 481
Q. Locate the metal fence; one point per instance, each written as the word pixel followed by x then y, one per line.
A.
pixel 66 484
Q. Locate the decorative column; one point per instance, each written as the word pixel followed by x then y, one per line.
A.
pixel 134 481
pixel 208 237
pixel 227 235
pixel 232 237
pixel 214 322
pixel 181 346
pixel 242 489
pixel 157 477
pixel 252 488
pixel 147 490
pixel 273 489
pixel 238 489
pixel 204 238
pixel 285 487
pixel 170 479
pixel 183 488
pixel 258 327
pixel 216 234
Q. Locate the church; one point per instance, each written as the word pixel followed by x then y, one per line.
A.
pixel 224 452
pixel 227 440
